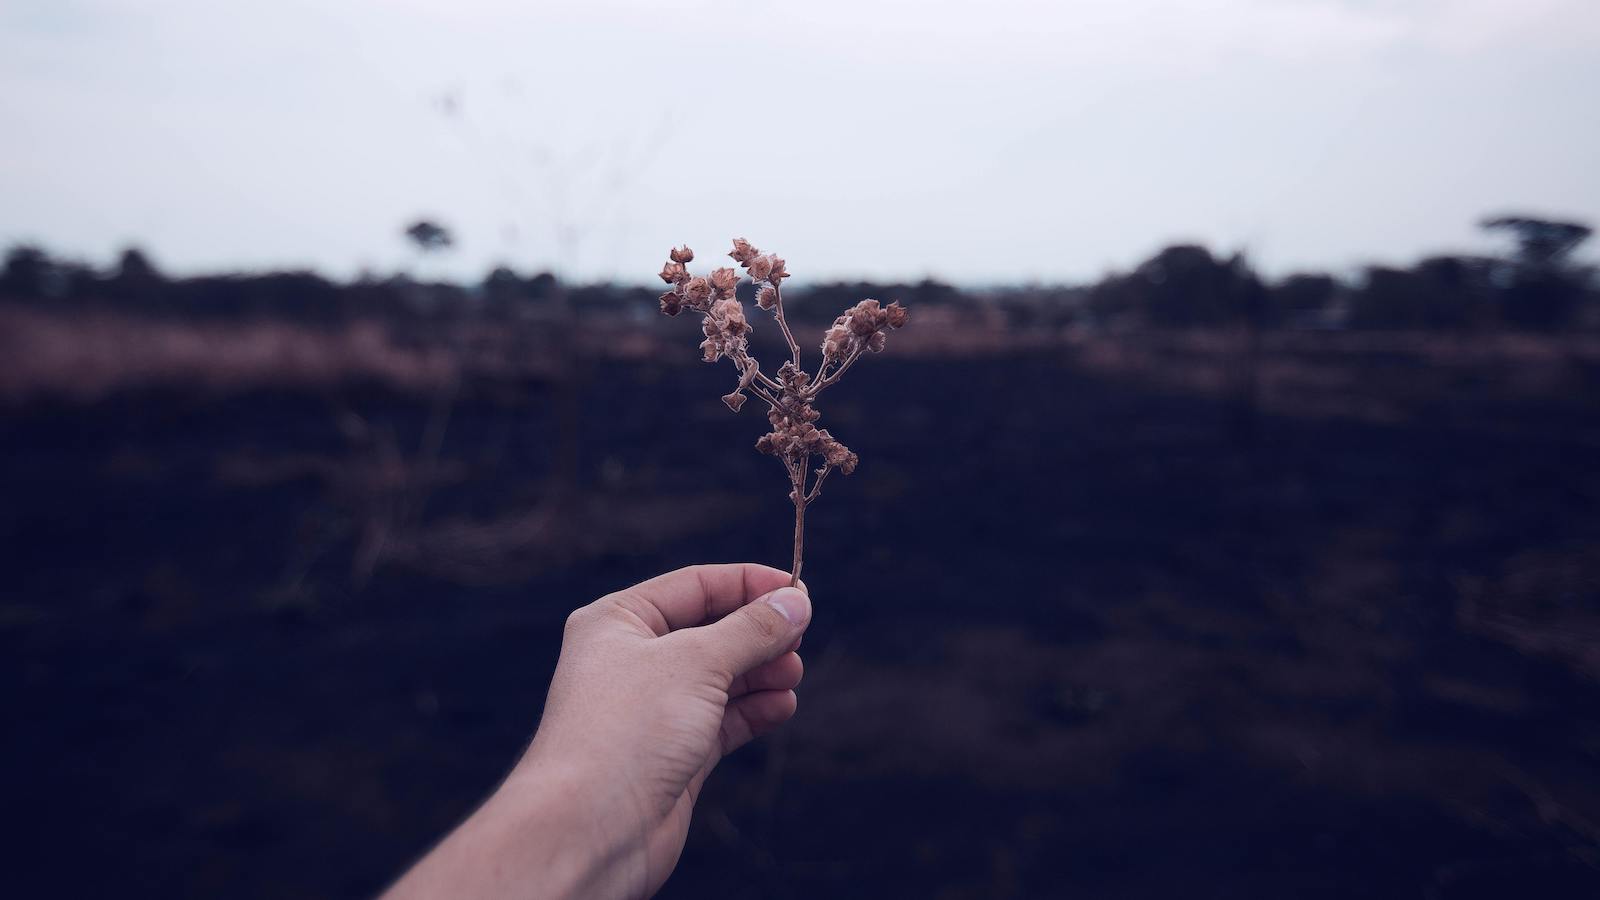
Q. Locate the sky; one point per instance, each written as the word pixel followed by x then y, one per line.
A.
pixel 1001 141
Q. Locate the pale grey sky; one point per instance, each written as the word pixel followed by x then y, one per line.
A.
pixel 1002 140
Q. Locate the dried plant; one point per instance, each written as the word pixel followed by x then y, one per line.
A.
pixel 791 395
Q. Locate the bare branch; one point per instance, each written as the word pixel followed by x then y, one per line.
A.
pixel 822 475
pixel 795 440
pixel 777 310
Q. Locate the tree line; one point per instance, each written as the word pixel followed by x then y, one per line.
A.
pixel 1537 285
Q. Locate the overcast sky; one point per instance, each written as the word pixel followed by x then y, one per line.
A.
pixel 979 142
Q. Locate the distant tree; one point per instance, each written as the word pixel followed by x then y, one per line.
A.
pixel 1441 292
pixel 502 284
pixel 1540 242
pixel 135 280
pixel 541 286
pixel 32 274
pixel 1542 289
pixel 931 292
pixel 429 237
pixel 1183 286
pixel 24 271
pixel 133 265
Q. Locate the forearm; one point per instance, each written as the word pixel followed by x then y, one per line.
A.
pixel 536 837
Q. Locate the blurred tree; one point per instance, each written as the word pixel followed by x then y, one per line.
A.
pixel 1540 242
pixel 1440 292
pixel 32 274
pixel 26 271
pixel 931 292
pixel 134 265
pixel 136 279
pixel 508 293
pixel 502 286
pixel 1183 286
pixel 429 237
pixel 1542 288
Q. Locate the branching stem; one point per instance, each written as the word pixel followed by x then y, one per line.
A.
pixel 795 440
pixel 777 309
pixel 834 376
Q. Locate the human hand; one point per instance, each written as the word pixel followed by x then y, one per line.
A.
pixel 655 684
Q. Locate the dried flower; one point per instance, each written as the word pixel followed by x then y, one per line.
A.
pixel 724 280
pixel 790 397
pixel 863 327
pixel 674 272
pixel 743 251
pixel 898 316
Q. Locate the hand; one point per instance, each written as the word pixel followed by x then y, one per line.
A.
pixel 655 685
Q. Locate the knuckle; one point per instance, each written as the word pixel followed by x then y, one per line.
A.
pixel 579 620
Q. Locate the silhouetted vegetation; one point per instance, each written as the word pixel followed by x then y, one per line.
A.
pixel 429 236
pixel 1536 286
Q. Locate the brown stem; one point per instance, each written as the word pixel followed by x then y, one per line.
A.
pixel 816 388
pixel 777 310
pixel 799 537
pixel 797 479
pixel 816 488
pixel 762 392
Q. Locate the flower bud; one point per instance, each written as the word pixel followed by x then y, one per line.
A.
pixel 877 341
pixel 767 297
pixel 836 342
pixel 778 271
pixel 683 254
pixel 674 272
pixel 734 400
pixel 743 251
pixel 759 267
pixel 897 315
pixel 724 279
pixel 697 290
pixel 848 465
pixel 671 303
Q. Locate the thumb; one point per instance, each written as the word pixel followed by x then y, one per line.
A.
pixel 757 632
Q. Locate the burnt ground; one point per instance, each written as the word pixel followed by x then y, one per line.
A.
pixel 1079 632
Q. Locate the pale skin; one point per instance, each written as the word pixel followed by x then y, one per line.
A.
pixel 655 685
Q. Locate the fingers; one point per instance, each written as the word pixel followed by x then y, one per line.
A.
pixel 698 594
pixel 762 700
pixel 781 674
pixel 753 634
pixel 753 715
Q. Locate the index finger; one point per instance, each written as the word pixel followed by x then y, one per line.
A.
pixel 699 594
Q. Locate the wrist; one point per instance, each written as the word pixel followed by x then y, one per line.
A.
pixel 556 816
pixel 534 837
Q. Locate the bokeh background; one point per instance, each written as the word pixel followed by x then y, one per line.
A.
pixel 1227 517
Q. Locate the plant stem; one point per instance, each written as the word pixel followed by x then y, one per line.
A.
pixel 799 538
pixel 777 309
pixel 825 380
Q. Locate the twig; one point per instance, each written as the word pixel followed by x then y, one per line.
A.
pixel 794 438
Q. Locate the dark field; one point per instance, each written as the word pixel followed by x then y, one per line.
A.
pixel 1112 617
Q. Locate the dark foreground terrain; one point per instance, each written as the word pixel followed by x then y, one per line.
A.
pixel 1109 619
